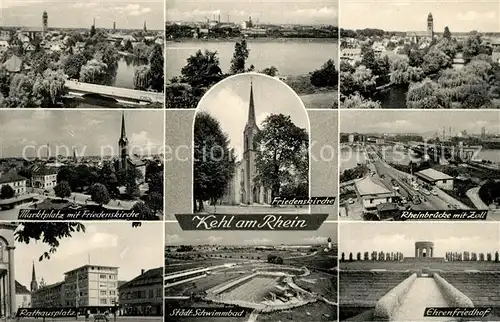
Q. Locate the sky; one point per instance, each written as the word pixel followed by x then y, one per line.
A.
pixel 228 102
pixel 118 244
pixel 419 121
pixel 88 131
pixel 394 237
pixel 411 15
pixel 80 14
pixel 309 12
pixel 174 235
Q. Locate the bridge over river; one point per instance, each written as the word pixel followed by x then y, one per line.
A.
pixel 121 95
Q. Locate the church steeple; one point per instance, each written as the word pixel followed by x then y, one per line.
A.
pixel 251 108
pixel 34 283
pixel 123 145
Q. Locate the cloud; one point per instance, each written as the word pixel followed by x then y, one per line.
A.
pixel 142 143
pixel 85 243
pixel 258 241
pixel 473 15
pixel 132 10
pixel 85 5
pixel 324 12
pixel 172 239
pixel 214 239
pixel 316 239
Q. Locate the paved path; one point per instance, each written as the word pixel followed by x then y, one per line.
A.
pixel 423 293
pixel 473 195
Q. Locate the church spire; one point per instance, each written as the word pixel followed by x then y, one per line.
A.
pixel 124 133
pixel 251 109
pixel 34 284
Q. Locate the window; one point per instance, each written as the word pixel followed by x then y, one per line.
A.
pixel 112 293
pixel 151 294
pixel 111 277
pixel 102 276
pixel 103 301
pixel 102 292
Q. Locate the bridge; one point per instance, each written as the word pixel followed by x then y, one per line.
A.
pixel 121 95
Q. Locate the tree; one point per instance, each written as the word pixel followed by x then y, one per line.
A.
pixel 474 46
pixel 403 73
pixel 62 189
pixel 154 201
pixel 358 256
pixel 435 60
pixel 271 71
pixel 357 101
pixel 99 194
pixel 342 259
pixel 361 81
pixel 94 71
pixel 156 62
pixel 145 213
pixel 50 87
pixel 202 69
pixel 496 257
pixel 240 55
pixel 423 95
pixel 6 192
pixel 447 33
pixel 127 46
pixel 350 257
pixel 213 160
pixel 21 91
pixel 73 64
pixel 142 77
pixel 282 154
pixel 416 58
pixel 107 54
pixel 92 31
pixel 326 76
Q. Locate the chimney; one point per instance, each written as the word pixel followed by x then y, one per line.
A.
pixel 142 271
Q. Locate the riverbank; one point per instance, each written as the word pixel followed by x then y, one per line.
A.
pixel 259 39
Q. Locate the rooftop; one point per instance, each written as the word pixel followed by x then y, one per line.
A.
pixel 433 175
pixel 10 177
pixel 367 187
pixel 88 265
pixel 151 276
pixel 21 289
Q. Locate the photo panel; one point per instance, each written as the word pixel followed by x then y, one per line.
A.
pixel 81 164
pixel 254 275
pixel 416 272
pixel 294 41
pixel 419 165
pixel 82 54
pixel 419 54
pixel 251 148
pixel 82 271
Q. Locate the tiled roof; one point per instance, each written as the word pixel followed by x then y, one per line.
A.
pixel 151 276
pixel 11 177
pixel 21 289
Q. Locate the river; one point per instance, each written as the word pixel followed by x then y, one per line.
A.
pixel 292 57
pixel 489 154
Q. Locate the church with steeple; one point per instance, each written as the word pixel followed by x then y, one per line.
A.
pixel 243 189
pixel 125 161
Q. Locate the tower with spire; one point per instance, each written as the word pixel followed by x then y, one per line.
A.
pixel 45 22
pixel 34 283
pixel 123 145
pixel 145 28
pixel 430 25
pixel 250 194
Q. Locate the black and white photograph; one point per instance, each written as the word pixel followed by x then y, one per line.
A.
pixel 278 276
pixel 419 54
pixel 81 160
pixel 91 267
pixel 250 141
pixel 418 160
pixel 398 271
pixel 255 152
pixel 82 54
pixel 295 41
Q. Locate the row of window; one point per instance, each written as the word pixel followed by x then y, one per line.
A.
pixel 142 294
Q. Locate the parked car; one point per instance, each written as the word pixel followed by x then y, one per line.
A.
pixel 434 192
pixel 425 191
pixel 350 201
pixel 404 200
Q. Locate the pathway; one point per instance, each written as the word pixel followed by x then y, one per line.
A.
pixel 473 195
pixel 423 293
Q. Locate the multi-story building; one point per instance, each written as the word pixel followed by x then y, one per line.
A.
pixel 143 295
pixel 92 286
pixel 48 296
pixel 23 296
pixel 15 181
pixel 44 178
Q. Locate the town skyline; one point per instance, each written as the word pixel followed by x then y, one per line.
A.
pixel 86 131
pixel 305 12
pixel 410 15
pixel 25 13
pixel 116 245
pixel 175 236
pixel 418 122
